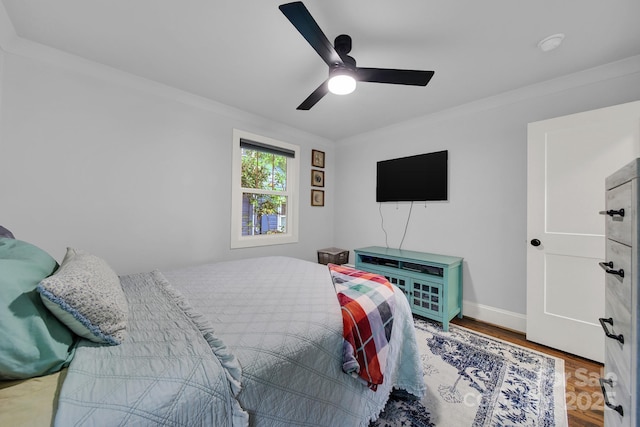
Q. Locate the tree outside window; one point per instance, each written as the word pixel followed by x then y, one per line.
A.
pixel 265 175
pixel 263 212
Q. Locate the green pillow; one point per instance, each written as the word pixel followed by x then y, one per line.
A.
pixel 32 341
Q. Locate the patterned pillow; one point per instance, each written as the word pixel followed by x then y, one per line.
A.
pixel 85 294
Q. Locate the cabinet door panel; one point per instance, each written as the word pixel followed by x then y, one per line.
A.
pixel 427 296
pixel 402 283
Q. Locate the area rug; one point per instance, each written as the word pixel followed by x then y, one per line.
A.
pixel 476 380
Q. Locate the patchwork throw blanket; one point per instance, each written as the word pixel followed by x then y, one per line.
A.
pixel 367 302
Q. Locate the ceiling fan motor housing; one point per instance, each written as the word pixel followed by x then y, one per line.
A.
pixel 342 44
pixel 348 66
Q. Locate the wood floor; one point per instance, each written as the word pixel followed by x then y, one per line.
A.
pixel 585 404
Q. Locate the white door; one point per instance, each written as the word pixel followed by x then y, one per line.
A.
pixel 568 160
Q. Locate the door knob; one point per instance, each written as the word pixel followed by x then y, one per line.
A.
pixel 535 242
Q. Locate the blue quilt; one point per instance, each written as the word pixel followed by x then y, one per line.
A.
pixel 250 342
pixel 281 318
pixel 165 373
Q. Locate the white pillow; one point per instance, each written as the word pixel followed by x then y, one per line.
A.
pixel 85 294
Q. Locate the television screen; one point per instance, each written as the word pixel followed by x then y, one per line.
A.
pixel 415 178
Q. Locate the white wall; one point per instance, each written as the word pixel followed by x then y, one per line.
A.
pixel 139 173
pixel 130 170
pixel 484 220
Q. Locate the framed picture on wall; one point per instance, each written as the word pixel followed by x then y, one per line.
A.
pixel 317 178
pixel 317 158
pixel 317 198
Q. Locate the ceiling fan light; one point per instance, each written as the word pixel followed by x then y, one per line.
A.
pixel 342 84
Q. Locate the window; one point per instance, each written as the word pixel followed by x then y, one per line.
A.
pixel 264 191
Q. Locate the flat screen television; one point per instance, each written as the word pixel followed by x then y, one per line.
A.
pixel 423 177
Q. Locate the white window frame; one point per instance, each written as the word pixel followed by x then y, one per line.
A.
pixel 292 193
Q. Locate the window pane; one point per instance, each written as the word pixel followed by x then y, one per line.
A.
pixel 265 191
pixel 263 214
pixel 264 171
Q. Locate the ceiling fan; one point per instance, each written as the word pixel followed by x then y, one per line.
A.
pixel 343 72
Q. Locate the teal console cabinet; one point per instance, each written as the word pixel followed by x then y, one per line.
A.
pixel 432 283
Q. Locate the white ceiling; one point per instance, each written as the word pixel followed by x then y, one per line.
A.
pixel 246 54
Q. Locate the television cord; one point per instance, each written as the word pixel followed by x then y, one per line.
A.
pixel 406 225
pixel 386 242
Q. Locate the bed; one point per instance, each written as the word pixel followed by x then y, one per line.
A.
pixel 254 342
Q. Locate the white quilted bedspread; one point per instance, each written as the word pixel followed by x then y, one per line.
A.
pixel 165 373
pixel 280 317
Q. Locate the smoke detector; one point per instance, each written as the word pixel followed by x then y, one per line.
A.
pixel 551 42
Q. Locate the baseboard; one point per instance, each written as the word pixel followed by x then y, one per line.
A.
pixel 495 316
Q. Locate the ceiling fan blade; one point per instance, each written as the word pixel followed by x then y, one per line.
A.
pixel 300 17
pixel 315 96
pixel 399 77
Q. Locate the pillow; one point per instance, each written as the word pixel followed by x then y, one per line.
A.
pixel 86 295
pixel 32 341
pixel 6 233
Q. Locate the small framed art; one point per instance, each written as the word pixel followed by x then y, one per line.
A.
pixel 317 158
pixel 317 178
pixel 317 198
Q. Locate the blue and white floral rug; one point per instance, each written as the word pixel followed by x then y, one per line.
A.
pixel 476 380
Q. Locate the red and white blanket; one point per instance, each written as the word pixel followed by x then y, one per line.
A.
pixel 368 302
